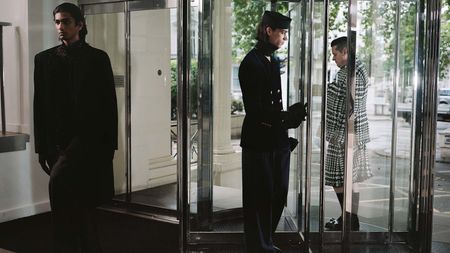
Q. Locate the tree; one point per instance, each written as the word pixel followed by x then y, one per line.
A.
pixel 247 14
pixel 444 58
pixel 378 20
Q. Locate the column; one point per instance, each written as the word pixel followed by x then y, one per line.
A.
pixel 222 77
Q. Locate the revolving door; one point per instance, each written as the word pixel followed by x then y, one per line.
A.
pixel 387 43
pixel 180 108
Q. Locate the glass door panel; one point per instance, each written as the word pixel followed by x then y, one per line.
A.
pixel 406 101
pixel 107 32
pixel 153 113
pixel 316 105
pixel 215 182
pixel 215 172
pixel 294 203
pixel 385 37
pixel 147 98
pixel 375 192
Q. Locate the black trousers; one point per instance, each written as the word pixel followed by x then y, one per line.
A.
pixel 265 181
pixel 73 222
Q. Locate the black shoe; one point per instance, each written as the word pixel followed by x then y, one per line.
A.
pixel 278 250
pixel 334 224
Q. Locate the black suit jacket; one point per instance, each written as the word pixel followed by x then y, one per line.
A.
pixel 261 90
pixel 75 85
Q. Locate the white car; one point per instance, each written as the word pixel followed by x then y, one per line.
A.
pixel 444 104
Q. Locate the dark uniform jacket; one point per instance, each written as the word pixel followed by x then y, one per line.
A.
pixel 260 82
pixel 75 115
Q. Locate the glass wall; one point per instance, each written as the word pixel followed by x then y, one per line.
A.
pixel 107 32
pixel 216 52
pixel 145 69
pixel 152 53
pixel 384 94
pixel 295 199
pixel 384 102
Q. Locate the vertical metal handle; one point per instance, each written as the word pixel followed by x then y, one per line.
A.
pixel 2 88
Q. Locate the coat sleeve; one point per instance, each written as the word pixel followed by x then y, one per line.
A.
pixel 110 101
pixel 38 106
pixel 335 120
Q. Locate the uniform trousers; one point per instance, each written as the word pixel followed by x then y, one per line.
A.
pixel 265 179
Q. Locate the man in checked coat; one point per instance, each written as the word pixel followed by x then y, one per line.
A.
pixel 75 129
pixel 265 143
pixel 335 131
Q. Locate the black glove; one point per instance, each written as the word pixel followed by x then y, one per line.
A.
pixel 292 143
pixel 295 115
pixel 43 161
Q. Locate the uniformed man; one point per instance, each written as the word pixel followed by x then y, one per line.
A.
pixel 75 129
pixel 264 139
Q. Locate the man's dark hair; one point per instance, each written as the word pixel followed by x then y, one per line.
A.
pixel 340 43
pixel 76 14
pixel 261 34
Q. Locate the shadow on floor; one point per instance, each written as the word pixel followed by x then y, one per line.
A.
pixel 118 234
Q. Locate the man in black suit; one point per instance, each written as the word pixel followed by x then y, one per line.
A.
pixel 75 128
pixel 265 143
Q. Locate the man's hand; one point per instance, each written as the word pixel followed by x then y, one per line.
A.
pixel 294 116
pixel 44 164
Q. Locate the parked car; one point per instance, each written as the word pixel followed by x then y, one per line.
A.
pixel 443 111
pixel 444 96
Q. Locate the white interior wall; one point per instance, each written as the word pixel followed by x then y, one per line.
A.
pixel 150 94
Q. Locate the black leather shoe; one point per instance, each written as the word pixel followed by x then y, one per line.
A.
pixel 334 224
pixel 278 250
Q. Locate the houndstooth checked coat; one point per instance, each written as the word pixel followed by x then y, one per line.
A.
pixel 336 99
pixel 335 128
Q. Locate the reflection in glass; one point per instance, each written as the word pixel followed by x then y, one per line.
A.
pixel 106 32
pixel 232 37
pixel 316 86
pixel 153 162
pixel 293 96
pixel 375 49
pixel 153 55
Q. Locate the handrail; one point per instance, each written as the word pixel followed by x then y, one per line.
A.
pixel 8 141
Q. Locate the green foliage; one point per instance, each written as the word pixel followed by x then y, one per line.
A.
pixel 444 58
pixel 193 89
pixel 407 33
pixel 367 37
pixel 378 18
pixel 247 15
pixel 173 90
pixel 237 106
pixel 336 8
